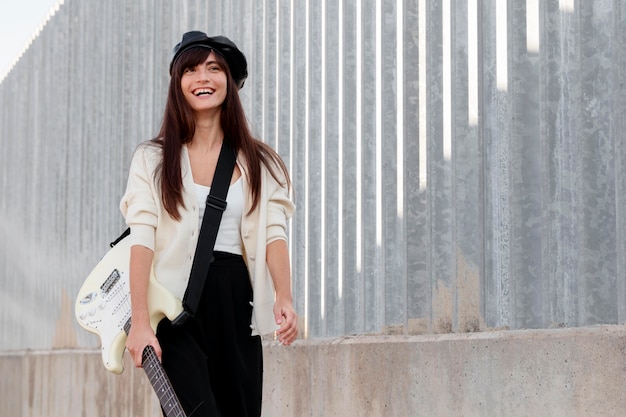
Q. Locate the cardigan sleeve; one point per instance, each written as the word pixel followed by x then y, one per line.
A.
pixel 279 209
pixel 138 204
pixel 264 225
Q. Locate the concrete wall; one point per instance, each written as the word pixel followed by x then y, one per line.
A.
pixel 540 373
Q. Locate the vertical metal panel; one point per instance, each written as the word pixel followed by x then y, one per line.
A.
pixel 352 283
pixel 441 219
pixel 559 190
pixel 315 185
pixel 524 170
pixel 495 117
pixel 597 194
pixel 331 164
pixel 457 165
pixel 618 102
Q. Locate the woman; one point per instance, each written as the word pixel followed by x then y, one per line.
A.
pixel 214 359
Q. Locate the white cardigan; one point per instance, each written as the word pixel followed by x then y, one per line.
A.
pixel 174 242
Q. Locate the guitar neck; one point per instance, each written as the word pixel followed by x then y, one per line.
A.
pixel 160 382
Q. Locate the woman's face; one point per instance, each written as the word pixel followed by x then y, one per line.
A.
pixel 204 86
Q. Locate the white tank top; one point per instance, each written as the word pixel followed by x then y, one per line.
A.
pixel 229 233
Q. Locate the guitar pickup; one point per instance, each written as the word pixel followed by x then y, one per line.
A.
pixel 111 281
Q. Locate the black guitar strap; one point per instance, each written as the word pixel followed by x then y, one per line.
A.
pixel 215 206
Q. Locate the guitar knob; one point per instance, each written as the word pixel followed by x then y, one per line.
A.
pixel 92 311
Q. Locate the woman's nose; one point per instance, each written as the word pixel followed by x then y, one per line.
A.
pixel 203 74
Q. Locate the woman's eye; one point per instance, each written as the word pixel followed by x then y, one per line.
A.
pixel 188 70
pixel 214 68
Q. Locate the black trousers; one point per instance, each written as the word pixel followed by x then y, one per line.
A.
pixel 213 362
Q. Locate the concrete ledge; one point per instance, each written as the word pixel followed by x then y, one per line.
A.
pixel 552 373
pixel 71 383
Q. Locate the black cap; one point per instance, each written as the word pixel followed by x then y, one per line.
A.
pixel 222 45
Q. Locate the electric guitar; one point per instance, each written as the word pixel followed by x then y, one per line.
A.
pixel 103 307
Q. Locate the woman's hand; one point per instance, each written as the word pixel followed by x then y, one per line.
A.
pixel 284 313
pixel 140 336
pixel 287 319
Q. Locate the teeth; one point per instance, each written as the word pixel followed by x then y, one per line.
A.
pixel 203 92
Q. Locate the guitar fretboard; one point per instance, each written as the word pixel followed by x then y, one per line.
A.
pixel 160 382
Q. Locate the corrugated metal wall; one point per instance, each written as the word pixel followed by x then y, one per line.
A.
pixel 457 165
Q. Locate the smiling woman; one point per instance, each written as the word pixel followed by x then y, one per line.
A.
pixel 213 358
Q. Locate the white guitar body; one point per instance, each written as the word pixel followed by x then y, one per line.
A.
pixel 103 304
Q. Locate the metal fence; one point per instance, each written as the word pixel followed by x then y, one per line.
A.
pixel 457 165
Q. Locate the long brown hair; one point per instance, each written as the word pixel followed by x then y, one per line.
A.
pixel 178 128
